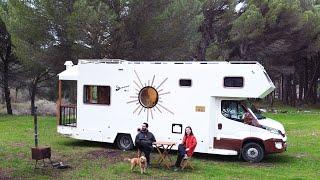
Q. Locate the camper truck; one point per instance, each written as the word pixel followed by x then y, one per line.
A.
pixel 114 97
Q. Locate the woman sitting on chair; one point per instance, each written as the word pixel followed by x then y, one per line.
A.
pixel 187 147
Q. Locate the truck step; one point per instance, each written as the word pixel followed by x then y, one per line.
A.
pixel 224 152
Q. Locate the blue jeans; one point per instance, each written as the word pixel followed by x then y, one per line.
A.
pixel 181 154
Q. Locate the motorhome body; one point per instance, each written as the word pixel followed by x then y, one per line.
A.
pixel 114 97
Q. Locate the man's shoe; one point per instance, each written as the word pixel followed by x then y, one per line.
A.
pixel 176 169
pixel 185 156
pixel 148 165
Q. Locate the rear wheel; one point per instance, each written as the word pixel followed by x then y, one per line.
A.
pixel 252 152
pixel 124 142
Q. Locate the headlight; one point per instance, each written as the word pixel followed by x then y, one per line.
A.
pixel 272 130
pixel 278 145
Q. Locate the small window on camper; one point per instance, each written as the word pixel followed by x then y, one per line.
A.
pixel 232 110
pixel 233 81
pixel 96 94
pixel 185 82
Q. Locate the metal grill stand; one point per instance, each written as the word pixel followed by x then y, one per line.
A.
pixel 39 153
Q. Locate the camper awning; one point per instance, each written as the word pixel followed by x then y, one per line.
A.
pixel 71 73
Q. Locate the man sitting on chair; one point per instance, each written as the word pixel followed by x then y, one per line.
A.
pixel 186 148
pixel 144 140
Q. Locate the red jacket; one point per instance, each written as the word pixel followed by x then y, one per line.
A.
pixel 191 143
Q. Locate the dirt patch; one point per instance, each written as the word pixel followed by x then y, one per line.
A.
pixel 18 144
pixel 301 155
pixel 104 153
pixel 21 155
pixel 315 133
pixel 261 164
pixel 5 174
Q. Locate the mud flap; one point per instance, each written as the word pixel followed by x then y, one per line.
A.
pixel 240 152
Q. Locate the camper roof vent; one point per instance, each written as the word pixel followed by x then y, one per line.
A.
pixel 68 64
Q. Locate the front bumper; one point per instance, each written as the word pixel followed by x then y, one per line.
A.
pixel 275 146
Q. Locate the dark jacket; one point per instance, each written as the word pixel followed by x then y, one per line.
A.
pixel 145 139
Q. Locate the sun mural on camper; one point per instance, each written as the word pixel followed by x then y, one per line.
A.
pixel 148 97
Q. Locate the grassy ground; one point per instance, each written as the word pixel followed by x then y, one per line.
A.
pixel 91 160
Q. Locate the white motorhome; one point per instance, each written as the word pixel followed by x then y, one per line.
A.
pixel 114 97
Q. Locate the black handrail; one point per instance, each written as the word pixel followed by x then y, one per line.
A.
pixel 68 115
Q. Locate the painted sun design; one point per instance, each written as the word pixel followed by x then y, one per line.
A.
pixel 148 97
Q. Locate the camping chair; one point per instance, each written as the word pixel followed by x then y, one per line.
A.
pixel 186 163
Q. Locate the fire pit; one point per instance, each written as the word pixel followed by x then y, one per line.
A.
pixel 41 153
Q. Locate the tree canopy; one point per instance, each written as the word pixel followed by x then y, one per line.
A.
pixel 283 35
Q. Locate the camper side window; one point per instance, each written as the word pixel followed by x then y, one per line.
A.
pixel 232 110
pixel 96 94
pixel 233 82
pixel 185 82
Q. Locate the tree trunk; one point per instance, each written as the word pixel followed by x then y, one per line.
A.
pixel 209 34
pixel 116 6
pixel 315 69
pixel 204 41
pixel 283 90
pixel 305 81
pixel 301 85
pixel 33 92
pixel 293 90
pixel 2 96
pixel 6 87
pixel 317 95
pixel 243 49
pixel 5 58
pixel 314 93
pixel 33 87
pixel 270 98
pixel 16 93
pixel 287 90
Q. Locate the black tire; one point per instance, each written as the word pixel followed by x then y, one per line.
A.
pixel 252 152
pixel 124 142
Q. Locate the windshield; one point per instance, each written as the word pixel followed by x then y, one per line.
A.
pixel 256 112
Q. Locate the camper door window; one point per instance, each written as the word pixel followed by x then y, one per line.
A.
pixel 96 94
pixel 232 110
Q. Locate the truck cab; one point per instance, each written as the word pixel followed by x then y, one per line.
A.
pixel 242 128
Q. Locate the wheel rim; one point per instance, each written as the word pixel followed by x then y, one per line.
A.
pixel 252 153
pixel 125 142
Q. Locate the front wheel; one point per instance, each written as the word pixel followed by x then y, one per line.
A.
pixel 252 152
pixel 124 142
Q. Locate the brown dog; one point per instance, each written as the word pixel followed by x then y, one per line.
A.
pixel 141 162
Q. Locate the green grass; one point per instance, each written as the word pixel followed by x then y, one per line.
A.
pixel 91 160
